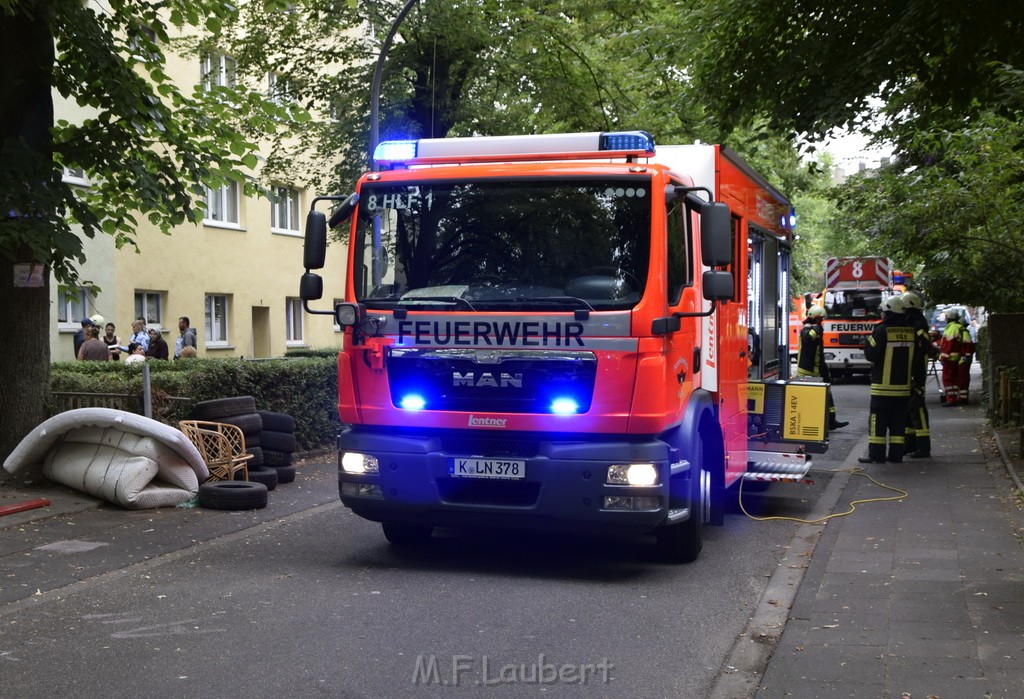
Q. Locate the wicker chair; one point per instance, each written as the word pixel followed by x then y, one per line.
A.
pixel 222 447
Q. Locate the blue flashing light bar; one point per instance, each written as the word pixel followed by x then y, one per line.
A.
pixel 628 141
pixel 395 151
pixel 413 402
pixel 498 148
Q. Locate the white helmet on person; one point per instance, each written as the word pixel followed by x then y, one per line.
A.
pixel 893 304
pixel 952 315
pixel 912 300
pixel 815 312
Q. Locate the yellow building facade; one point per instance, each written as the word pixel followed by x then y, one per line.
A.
pixel 235 276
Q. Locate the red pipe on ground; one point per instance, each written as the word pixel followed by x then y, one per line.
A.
pixel 22 506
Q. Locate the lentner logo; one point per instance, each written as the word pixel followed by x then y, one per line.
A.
pixel 487 421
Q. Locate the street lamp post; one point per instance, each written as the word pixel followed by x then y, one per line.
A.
pixel 375 88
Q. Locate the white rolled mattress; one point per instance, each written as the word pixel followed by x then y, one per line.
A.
pixel 121 457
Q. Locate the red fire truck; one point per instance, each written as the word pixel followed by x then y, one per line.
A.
pixel 555 332
pixel 854 290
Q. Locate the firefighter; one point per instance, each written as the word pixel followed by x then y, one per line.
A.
pixel 918 435
pixel 955 350
pixel 811 359
pixel 890 349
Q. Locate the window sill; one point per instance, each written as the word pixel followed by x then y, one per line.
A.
pixel 211 348
pixel 286 232
pixel 293 343
pixel 225 225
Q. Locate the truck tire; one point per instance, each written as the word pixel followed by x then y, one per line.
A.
pixel 406 534
pixel 233 495
pixel 263 474
pixel 257 455
pixel 276 458
pixel 285 474
pixel 224 407
pixel 277 441
pixel 250 423
pixel 278 422
pixel 682 543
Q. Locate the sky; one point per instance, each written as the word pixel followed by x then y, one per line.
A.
pixel 851 149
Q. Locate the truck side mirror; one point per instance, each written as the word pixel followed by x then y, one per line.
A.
pixel 344 210
pixel 311 287
pixel 716 234
pixel 314 250
pixel 717 285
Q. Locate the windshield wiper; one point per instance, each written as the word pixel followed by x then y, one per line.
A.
pixel 457 300
pixel 581 306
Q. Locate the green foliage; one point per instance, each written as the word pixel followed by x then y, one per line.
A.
pixel 956 217
pixel 325 352
pixel 148 146
pixel 812 66
pixel 305 388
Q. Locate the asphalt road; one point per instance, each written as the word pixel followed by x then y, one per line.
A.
pixel 306 599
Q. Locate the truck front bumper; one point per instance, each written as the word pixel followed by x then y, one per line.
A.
pixel 564 485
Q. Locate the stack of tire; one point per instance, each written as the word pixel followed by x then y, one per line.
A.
pixel 239 411
pixel 277 441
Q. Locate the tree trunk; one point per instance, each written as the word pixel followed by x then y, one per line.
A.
pixel 26 115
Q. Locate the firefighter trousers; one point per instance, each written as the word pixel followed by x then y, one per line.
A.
pixel 950 382
pixel 963 380
pixel 887 424
pixel 918 435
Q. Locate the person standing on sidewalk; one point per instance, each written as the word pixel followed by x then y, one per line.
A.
pixel 918 435
pixel 810 359
pixel 890 349
pixel 955 348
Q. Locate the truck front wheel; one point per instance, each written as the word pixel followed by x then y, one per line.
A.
pixel 406 534
pixel 682 543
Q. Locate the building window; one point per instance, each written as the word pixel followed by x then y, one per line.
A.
pixel 285 214
pixel 73 305
pixel 148 305
pixel 75 175
pixel 222 204
pixel 217 70
pixel 280 88
pixel 216 319
pixel 293 321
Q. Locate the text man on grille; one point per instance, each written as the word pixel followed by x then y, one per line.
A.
pixel 890 349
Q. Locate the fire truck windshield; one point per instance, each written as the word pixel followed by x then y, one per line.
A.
pixel 521 244
pixel 855 303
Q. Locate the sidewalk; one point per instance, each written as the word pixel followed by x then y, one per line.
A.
pixel 921 598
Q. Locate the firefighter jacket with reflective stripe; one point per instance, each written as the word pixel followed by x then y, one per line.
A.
pixel 956 343
pixel 923 345
pixel 810 358
pixel 890 349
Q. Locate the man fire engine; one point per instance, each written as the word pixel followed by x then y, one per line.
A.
pixel 855 288
pixel 551 332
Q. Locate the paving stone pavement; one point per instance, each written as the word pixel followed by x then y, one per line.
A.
pixel 917 599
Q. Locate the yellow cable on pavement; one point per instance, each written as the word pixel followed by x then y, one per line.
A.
pixel 856 471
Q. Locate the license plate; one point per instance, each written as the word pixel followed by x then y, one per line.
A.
pixel 487 468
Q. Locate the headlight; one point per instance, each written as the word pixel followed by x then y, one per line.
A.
pixel 353 462
pixel 632 474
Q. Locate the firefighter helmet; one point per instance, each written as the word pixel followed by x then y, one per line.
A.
pixel 912 300
pixel 952 314
pixel 815 312
pixel 893 304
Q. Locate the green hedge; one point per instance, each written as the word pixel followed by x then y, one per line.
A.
pixel 305 388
